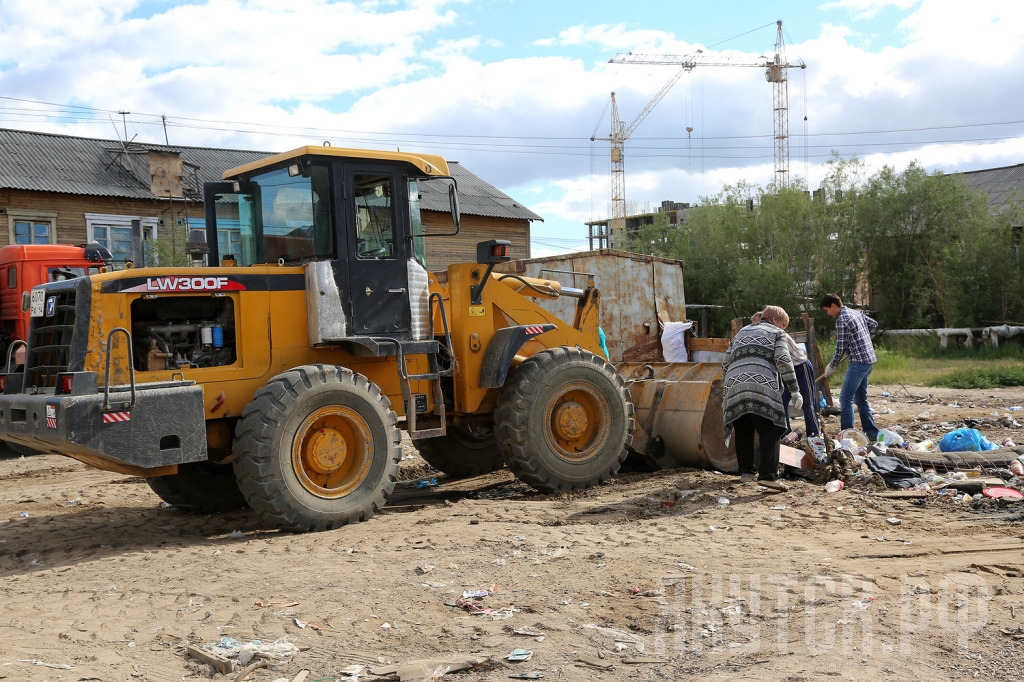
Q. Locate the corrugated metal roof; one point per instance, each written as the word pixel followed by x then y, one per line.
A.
pixel 476 197
pixel 997 183
pixel 79 165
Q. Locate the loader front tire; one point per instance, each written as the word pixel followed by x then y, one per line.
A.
pixel 564 420
pixel 200 487
pixel 461 454
pixel 317 448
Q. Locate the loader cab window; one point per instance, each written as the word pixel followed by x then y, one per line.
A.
pixel 375 217
pixel 284 214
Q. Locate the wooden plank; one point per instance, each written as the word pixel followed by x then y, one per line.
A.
pixel 796 458
pixel 716 345
pixel 814 354
pixel 219 663
pixel 735 326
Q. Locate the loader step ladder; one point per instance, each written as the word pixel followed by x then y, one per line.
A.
pixel 433 375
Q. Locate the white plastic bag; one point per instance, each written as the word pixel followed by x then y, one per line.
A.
pixel 673 341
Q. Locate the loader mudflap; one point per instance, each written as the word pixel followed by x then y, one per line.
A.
pixel 157 425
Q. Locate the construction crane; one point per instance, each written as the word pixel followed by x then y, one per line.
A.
pixel 620 132
pixel 776 73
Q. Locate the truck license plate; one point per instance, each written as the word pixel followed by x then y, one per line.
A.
pixel 37 302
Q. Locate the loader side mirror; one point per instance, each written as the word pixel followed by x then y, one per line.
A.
pixel 493 251
pixel 453 202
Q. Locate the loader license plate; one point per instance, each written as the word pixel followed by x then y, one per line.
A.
pixel 37 303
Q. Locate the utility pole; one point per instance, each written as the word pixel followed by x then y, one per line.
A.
pixel 163 119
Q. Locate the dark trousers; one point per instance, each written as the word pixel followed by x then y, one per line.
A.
pixel 809 392
pixel 769 435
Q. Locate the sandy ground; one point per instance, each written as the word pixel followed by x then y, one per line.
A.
pixel 98 581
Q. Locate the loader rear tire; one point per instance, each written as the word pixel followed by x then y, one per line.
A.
pixel 317 448
pixel 564 420
pixel 200 487
pixel 460 454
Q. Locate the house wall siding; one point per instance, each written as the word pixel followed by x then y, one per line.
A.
pixel 443 251
pixel 71 210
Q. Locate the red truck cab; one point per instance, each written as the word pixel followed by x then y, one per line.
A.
pixel 23 266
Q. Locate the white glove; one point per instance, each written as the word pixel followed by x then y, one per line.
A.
pixel 796 402
pixel 829 369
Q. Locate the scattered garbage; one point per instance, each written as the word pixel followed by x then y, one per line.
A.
pixel 723 502
pixel 520 655
pixel 895 473
pixel 885 394
pixel 890 438
pixel 997 492
pixel 1015 408
pixel 619 636
pixel 54 666
pixel 280 649
pixel 782 507
pixel 893 521
pixel 817 445
pixel 966 440
pixel 856 436
pixel 1008 443
pixel 420 485
pixel 423 569
pixel 236 535
pixel 1016 468
pixel 529 632
pixel 833 486
pixel 23 515
pixel 429 668
pixel 924 446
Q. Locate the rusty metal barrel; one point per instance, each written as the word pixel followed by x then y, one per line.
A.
pixel 679 414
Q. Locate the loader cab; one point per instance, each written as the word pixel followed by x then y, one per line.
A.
pixel 354 209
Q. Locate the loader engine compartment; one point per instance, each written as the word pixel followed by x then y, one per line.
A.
pixel 171 332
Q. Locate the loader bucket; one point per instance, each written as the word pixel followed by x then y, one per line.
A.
pixel 679 414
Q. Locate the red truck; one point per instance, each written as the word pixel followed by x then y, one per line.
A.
pixel 23 266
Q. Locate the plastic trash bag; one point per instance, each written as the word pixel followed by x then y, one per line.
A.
pixel 673 341
pixel 966 440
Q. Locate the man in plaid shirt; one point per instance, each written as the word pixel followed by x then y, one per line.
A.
pixel 853 339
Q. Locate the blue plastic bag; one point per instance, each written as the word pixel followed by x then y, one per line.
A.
pixel 965 440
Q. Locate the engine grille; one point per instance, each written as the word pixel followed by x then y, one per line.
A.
pixel 50 344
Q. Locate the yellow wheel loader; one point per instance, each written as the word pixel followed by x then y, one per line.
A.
pixel 278 375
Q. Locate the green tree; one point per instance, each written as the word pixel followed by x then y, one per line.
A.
pixel 984 276
pixel 906 221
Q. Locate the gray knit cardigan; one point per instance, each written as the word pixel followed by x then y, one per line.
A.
pixel 757 356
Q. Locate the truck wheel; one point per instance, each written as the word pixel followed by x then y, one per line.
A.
pixel 199 487
pixel 317 448
pixel 564 420
pixel 461 454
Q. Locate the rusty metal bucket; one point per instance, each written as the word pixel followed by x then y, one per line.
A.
pixel 679 414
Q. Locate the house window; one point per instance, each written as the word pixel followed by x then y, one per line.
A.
pixel 32 227
pixel 115 233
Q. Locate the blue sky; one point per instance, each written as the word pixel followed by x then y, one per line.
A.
pixel 515 88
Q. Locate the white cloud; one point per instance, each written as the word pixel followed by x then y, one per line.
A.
pixel 615 37
pixel 866 9
pixel 353 66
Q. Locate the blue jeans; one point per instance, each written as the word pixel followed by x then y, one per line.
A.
pixel 855 390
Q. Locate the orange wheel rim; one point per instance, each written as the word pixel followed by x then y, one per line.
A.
pixel 577 421
pixel 332 451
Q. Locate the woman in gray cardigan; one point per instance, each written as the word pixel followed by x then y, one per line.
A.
pixel 758 356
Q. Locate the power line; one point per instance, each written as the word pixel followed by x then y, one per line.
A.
pixel 341 131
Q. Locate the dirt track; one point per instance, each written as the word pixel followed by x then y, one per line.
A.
pixel 101 578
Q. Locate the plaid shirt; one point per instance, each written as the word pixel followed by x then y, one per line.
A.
pixel 853 337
